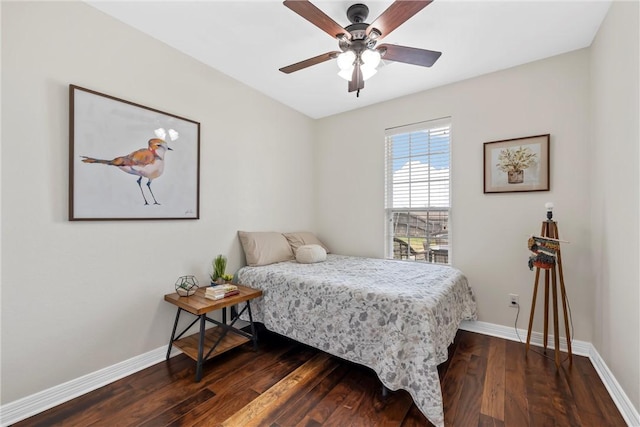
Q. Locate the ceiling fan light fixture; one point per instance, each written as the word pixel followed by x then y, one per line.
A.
pixel 346 73
pixel 370 58
pixel 367 72
pixel 346 60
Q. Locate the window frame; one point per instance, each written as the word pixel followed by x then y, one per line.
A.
pixel 424 213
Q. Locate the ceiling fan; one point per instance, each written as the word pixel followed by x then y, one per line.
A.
pixel 359 55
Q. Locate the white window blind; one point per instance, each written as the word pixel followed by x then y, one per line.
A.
pixel 418 191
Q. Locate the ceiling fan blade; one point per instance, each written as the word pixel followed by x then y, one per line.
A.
pixel 309 62
pixel 356 82
pixel 317 17
pixel 409 55
pixel 395 15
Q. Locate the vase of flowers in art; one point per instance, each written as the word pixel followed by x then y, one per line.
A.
pixel 514 161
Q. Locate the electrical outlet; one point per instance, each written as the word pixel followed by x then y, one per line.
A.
pixel 514 300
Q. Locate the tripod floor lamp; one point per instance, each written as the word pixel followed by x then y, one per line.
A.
pixel 547 258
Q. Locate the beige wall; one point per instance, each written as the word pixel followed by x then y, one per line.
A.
pixel 489 231
pixel 77 297
pixel 615 212
pixel 90 293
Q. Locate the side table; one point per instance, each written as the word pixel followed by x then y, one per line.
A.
pixel 216 340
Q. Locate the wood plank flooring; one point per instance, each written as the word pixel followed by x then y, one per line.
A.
pixel 487 381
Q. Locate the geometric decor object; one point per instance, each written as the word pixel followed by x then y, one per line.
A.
pixel 186 285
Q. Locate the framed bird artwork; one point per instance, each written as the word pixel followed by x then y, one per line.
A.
pixel 130 162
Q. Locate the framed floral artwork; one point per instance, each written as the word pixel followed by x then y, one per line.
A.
pixel 519 164
pixel 130 162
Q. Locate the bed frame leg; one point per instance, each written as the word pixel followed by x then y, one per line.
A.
pixel 381 401
pixel 385 391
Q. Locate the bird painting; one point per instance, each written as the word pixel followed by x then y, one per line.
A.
pixel 145 163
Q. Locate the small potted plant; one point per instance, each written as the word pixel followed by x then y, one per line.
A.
pixel 219 265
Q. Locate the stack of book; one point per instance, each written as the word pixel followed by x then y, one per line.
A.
pixel 221 291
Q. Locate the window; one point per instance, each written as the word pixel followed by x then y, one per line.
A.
pixel 417 191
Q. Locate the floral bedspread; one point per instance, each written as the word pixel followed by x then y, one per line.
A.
pixel 398 318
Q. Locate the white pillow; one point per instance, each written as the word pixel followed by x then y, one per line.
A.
pixel 262 248
pixel 300 238
pixel 309 254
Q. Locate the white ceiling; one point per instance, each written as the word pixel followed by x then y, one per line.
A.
pixel 251 40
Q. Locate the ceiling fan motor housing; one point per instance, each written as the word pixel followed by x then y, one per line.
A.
pixel 357 13
pixel 359 39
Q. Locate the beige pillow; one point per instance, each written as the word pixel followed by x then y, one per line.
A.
pixel 265 247
pixel 303 238
pixel 309 254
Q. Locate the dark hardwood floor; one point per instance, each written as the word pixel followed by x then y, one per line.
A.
pixel 487 381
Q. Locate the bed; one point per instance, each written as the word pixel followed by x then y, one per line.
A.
pixel 395 317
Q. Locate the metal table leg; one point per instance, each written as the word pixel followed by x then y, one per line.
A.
pixel 254 336
pixel 203 321
pixel 173 333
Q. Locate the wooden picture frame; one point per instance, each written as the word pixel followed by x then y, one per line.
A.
pixel 517 165
pixel 130 162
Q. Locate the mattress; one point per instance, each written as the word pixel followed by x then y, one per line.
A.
pixel 395 317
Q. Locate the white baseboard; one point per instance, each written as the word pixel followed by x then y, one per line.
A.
pixel 39 402
pixel 629 413
pixel 31 405
pixel 581 348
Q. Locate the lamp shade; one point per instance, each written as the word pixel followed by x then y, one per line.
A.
pixel 369 61
pixel 346 74
pixel 370 58
pixel 367 72
pixel 346 60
